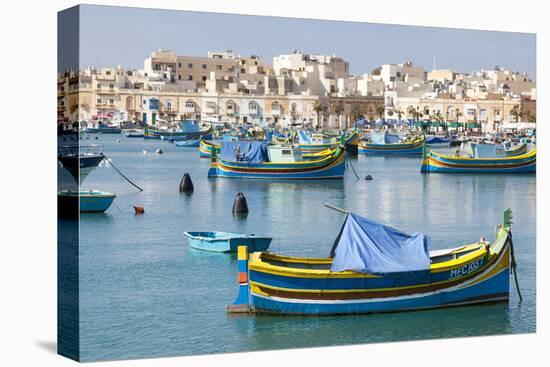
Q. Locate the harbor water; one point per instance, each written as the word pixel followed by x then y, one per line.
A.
pixel 145 293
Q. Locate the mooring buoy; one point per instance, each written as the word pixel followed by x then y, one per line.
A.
pixel 186 185
pixel 239 204
pixel 139 209
pixel 96 138
pixel 144 152
pixel 159 151
pixel 368 177
pixel 118 140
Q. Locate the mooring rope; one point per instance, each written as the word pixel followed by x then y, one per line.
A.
pixel 351 165
pixel 513 264
pixel 120 173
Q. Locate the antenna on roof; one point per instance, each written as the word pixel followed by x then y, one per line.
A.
pixel 434 63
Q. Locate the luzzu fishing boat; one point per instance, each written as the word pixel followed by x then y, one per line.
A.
pixel 205 148
pixel 384 143
pixel 320 142
pixel 188 129
pixel 375 268
pixel 258 160
pixel 484 158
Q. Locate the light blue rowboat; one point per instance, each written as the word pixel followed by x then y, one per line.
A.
pixel 187 143
pixel 226 242
pixel 89 201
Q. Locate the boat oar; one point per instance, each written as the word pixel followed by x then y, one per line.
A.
pixel 344 211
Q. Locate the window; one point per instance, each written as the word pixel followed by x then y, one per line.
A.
pixel 179 76
pixel 179 64
pixel 204 78
pixel 111 86
pixel 112 101
pixel 108 72
pixel 243 70
pixel 190 66
pixel 286 152
pixel 218 67
pixel 204 66
pixel 252 106
pixel 169 105
pixel 99 100
pixel 189 77
pixel 99 86
pixel 190 104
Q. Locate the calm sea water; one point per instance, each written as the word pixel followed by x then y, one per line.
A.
pixel 145 293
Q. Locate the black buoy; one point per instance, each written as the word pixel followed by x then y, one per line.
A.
pixel 368 177
pixel 186 185
pixel 239 205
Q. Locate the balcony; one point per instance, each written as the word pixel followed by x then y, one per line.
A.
pixel 105 91
pixel 189 109
pixel 209 109
pixel 105 105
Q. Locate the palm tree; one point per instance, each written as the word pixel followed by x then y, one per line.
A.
pixel 318 108
pixel 399 114
pixel 516 112
pixel 380 111
pixel 457 115
pixel 338 109
pixel 356 114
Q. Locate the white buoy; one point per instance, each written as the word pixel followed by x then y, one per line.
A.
pixel 118 140
pixel 144 152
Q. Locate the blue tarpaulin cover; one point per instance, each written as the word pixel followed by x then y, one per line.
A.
pixel 369 247
pixel 303 138
pixel 436 140
pixel 253 152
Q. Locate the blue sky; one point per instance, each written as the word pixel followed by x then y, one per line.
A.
pixel 124 36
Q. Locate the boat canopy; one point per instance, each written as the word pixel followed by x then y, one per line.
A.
pixel 384 138
pixel 253 152
pixel 488 151
pixel 366 246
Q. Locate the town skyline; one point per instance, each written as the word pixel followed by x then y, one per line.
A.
pixel 196 33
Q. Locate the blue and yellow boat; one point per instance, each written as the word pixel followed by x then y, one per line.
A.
pixel 258 160
pixel 385 144
pixel 480 163
pixel 320 142
pixel 364 274
pixel 205 148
